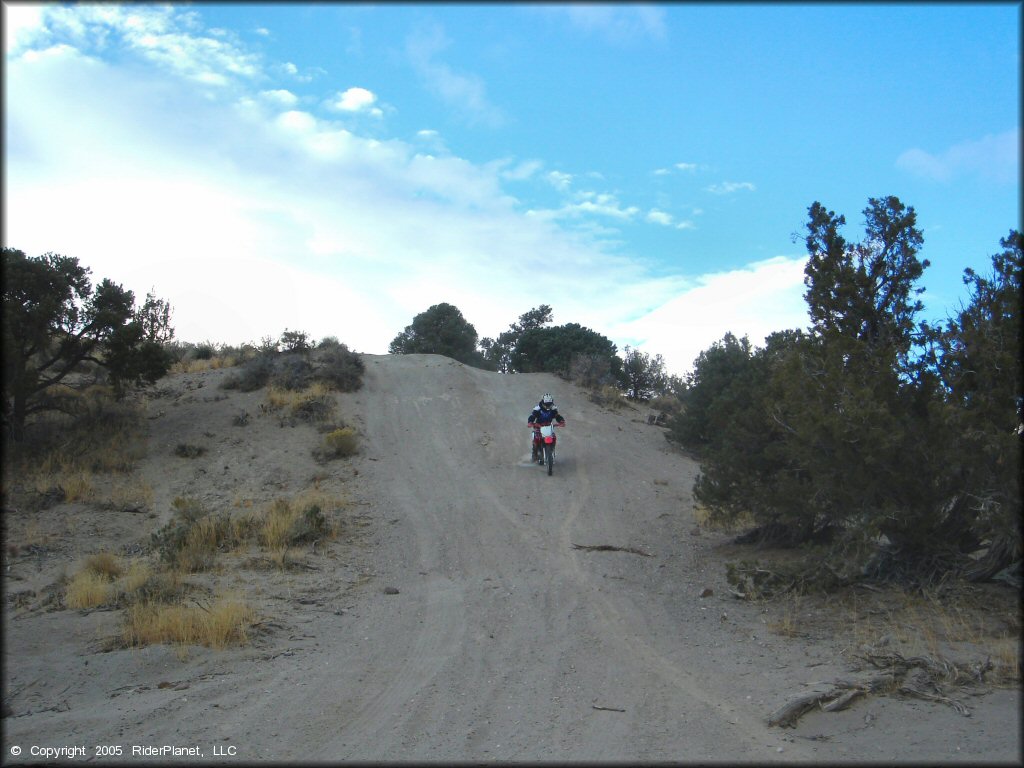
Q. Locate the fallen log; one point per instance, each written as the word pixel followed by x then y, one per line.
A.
pixel 837 698
pixel 922 677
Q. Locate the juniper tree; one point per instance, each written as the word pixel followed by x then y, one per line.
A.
pixel 55 322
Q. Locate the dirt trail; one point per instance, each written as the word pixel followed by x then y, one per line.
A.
pixel 511 636
pixel 479 622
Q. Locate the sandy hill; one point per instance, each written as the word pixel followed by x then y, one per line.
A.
pixel 471 607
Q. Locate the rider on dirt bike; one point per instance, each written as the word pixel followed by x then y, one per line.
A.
pixel 544 413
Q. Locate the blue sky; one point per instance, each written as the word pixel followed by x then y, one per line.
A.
pixel 339 168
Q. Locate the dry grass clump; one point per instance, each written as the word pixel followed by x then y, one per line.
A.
pixel 707 520
pixel 298 521
pixel 154 611
pixel 669 405
pixel 930 623
pixel 31 536
pixel 314 403
pixel 154 594
pixel 191 541
pixel 93 585
pixel 337 444
pixel 135 579
pixel 130 494
pixel 88 590
pixel 104 564
pixel 790 621
pixel 980 623
pixel 67 455
pixel 207 364
pixel 206 356
pixel 608 397
pixel 105 580
pixel 305 519
pixel 224 622
pixel 76 485
pixel 142 583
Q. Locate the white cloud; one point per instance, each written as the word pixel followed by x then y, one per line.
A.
pixel 465 92
pixel 254 215
pixel 354 47
pixel 617 23
pixel 659 217
pixel 432 139
pixel 755 301
pixel 23 25
pixel 684 167
pixel 355 100
pixel 600 204
pixel 993 158
pixel 522 171
pixel 296 121
pixel 279 199
pixel 163 35
pixel 559 180
pixel 280 97
pixel 728 187
pixel 290 70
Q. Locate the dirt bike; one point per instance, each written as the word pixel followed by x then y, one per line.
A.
pixel 544 444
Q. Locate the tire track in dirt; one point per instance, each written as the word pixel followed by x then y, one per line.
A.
pixel 417 649
pixel 617 629
pixel 505 640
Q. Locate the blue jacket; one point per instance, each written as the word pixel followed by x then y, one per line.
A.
pixel 542 415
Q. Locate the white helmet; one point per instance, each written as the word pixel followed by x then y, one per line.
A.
pixel 547 401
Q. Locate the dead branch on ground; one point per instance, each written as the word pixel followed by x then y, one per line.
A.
pixel 610 548
pixel 922 677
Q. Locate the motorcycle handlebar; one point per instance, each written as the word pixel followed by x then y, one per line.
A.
pixel 538 426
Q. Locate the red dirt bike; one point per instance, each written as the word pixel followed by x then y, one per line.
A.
pixel 544 444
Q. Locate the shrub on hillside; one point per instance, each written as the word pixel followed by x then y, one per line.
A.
pixel 55 322
pixel 608 397
pixel 334 364
pixel 204 351
pixel 192 539
pixel 341 368
pixel 288 523
pixel 189 451
pixel 291 371
pixel 338 444
pixel 295 341
pixel 591 371
pixel 253 375
pixel 313 405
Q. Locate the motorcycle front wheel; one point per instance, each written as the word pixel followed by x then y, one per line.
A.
pixel 549 457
